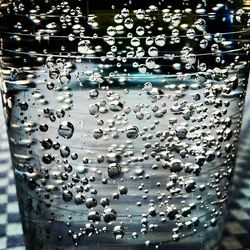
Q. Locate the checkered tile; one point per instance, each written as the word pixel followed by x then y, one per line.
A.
pixel 11 234
pixel 237 232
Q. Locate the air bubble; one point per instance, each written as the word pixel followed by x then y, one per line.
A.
pixel 132 132
pixel 66 129
pixel 93 109
pixel 109 215
pixel 93 93
pixel 64 151
pixel 67 195
pixel 118 232
pixel 97 134
pixel 129 23
pixel 114 170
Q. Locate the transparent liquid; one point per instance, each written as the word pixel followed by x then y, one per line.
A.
pixel 123 130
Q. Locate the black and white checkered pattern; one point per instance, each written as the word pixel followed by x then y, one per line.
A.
pixel 11 234
pixel 237 232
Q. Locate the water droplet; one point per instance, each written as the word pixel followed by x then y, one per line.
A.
pixel 149 41
pixel 150 63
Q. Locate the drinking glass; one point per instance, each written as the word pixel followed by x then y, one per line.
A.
pixel 123 119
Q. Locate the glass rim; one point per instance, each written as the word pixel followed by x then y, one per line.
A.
pixel 51 35
pixel 84 56
pixel 132 14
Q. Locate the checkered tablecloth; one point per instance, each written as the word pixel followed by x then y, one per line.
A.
pixel 10 227
pixel 237 232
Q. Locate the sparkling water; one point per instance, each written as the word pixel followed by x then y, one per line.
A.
pixel 123 119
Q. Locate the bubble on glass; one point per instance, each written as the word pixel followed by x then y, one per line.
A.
pixel 153 51
pixel 118 18
pixel 118 231
pixel 114 170
pixel 93 109
pixel 97 134
pixel 160 40
pixel 125 12
pixel 149 41
pixel 140 14
pixel 140 31
pixel 90 202
pixel 129 23
pixel 54 73
pixel 84 46
pixel 200 24
pixel 66 129
pixel 190 33
pixel 135 42
pixel 64 151
pixel 94 93
pixel 116 106
pixel 111 31
pixel 65 78
pixel 132 132
pixel 67 195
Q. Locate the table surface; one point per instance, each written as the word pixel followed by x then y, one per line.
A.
pixel 236 234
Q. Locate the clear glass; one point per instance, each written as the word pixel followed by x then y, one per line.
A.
pixel 123 119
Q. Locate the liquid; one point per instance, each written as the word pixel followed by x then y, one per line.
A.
pixel 123 120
